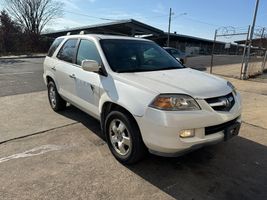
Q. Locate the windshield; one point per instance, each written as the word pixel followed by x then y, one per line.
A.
pixel 136 56
pixel 175 53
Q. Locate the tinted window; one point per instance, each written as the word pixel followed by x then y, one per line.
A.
pixel 137 55
pixel 168 50
pixel 54 46
pixel 87 51
pixel 175 52
pixel 67 52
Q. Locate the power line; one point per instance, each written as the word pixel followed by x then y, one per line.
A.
pixel 202 22
pixel 90 16
pixel 180 15
pixel 159 16
pixel 241 28
pixel 108 19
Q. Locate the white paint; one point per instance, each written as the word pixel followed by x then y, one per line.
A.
pixel 33 152
pixel 16 73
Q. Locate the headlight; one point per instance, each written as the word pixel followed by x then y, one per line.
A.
pixel 232 87
pixel 174 102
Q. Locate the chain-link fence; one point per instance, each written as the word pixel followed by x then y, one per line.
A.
pixel 257 62
pixel 230 58
pixel 227 57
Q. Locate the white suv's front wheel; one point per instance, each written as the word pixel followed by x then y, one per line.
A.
pixel 124 138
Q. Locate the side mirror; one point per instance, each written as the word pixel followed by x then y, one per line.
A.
pixel 90 65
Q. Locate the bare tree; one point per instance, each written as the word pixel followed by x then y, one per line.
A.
pixel 33 15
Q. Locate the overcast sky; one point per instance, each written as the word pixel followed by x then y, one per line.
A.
pixel 201 19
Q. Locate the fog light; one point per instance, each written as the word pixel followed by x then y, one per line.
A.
pixel 187 133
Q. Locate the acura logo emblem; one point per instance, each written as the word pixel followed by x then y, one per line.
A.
pixel 226 101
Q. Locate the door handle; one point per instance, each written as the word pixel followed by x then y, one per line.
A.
pixel 53 68
pixel 72 76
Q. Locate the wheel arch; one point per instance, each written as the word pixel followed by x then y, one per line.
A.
pixel 139 149
pixel 109 106
pixel 48 79
pixel 51 77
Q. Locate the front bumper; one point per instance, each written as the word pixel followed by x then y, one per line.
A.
pixel 160 129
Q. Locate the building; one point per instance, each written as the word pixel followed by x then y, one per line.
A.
pixel 258 42
pixel 128 27
pixel 191 45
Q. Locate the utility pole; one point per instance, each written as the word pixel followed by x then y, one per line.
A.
pixel 212 51
pixel 262 35
pixel 244 76
pixel 244 54
pixel 169 28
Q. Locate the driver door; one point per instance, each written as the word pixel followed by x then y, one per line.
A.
pixel 87 84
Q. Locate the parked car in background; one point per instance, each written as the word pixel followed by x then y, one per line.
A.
pixel 178 54
pixel 143 97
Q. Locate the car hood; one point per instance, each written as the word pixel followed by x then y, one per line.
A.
pixel 186 81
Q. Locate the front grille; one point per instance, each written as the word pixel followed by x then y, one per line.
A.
pixel 217 128
pixel 222 103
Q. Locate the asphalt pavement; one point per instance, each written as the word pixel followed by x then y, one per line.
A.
pixel 64 156
pixel 218 60
pixel 19 76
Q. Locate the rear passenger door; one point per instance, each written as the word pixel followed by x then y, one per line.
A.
pixel 87 83
pixel 65 70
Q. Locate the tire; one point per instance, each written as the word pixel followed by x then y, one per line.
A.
pixel 55 100
pixel 124 138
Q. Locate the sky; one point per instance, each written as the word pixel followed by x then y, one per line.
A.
pixel 197 18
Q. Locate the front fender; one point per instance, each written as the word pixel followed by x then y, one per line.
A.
pixel 134 99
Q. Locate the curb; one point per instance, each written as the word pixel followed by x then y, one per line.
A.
pixel 21 57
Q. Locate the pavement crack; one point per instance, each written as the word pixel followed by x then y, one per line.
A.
pixel 254 125
pixel 37 133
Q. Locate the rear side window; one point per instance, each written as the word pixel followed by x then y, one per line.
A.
pixel 67 51
pixel 87 51
pixel 54 46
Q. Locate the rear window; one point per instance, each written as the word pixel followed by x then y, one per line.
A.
pixel 54 46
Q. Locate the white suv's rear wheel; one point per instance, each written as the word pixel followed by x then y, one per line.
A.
pixel 55 100
pixel 124 138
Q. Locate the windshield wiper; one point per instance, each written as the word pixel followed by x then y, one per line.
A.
pixel 147 70
pixel 167 68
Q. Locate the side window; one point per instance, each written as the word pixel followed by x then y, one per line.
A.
pixel 67 51
pixel 54 46
pixel 87 51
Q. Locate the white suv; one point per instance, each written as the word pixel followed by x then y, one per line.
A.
pixel 144 98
